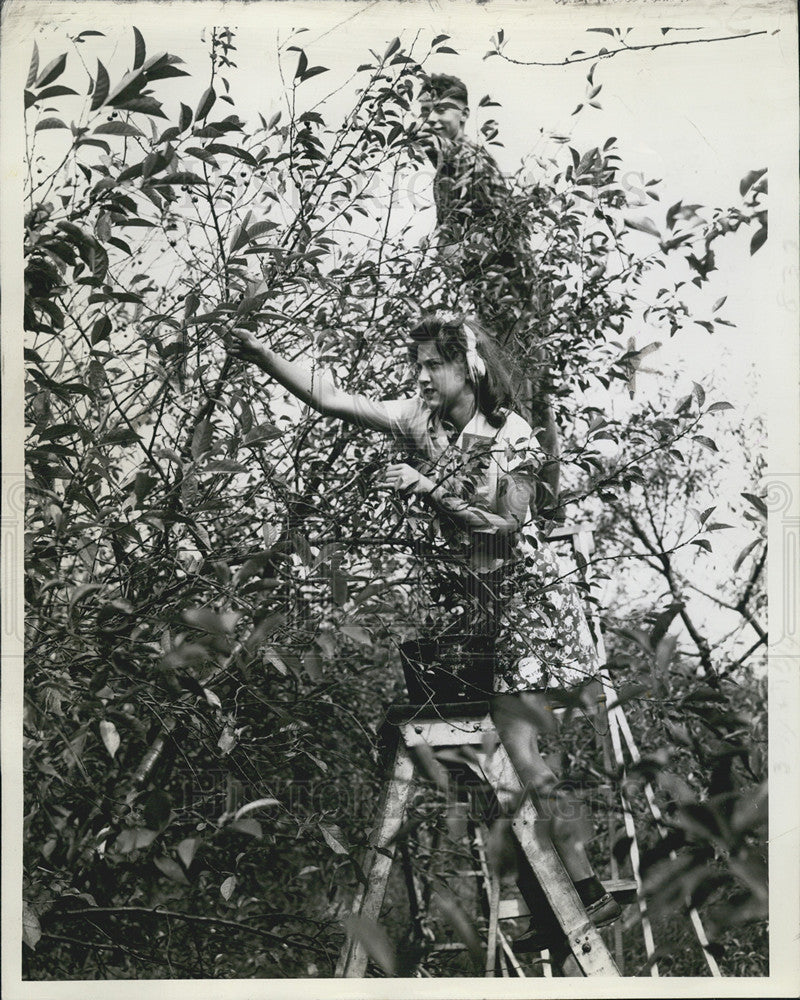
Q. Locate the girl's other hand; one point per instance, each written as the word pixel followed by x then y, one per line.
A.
pixel 405 479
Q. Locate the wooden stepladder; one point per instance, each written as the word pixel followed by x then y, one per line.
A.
pixel 470 725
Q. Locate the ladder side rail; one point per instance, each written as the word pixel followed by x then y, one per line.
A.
pixel 583 543
pixel 633 851
pixel 353 958
pixel 586 542
pixel 655 812
pixel 582 936
pixel 479 840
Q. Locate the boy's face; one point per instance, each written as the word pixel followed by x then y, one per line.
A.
pixel 445 115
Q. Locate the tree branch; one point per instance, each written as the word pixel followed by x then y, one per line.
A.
pixel 625 48
pixel 196 918
pixel 667 572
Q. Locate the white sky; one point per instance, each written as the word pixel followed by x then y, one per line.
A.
pixel 692 115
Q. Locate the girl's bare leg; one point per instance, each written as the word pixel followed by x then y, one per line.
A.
pixel 519 718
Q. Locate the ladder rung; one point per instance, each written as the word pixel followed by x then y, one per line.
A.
pixel 401 713
pixel 450 733
pixel 622 889
pixel 569 531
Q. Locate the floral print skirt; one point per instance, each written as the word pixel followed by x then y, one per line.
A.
pixel 527 607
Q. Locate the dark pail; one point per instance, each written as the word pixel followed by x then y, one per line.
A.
pixel 455 668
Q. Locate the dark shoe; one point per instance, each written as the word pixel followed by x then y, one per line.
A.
pixel 538 937
pixel 548 932
pixel 604 911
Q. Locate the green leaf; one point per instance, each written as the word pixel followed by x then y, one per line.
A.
pixel 117 128
pixel 110 737
pixel 157 809
pixel 49 123
pixel 101 86
pixel 201 439
pixel 393 46
pixel 339 589
pixel 603 31
pixel 144 105
pixel 706 442
pixel 34 67
pixel 31 931
pixel 134 840
pixel 357 633
pixel 721 405
pixel 185 119
pixel 262 432
pixel 745 553
pixel 702 543
pixel 699 393
pixel 52 71
pixel 206 104
pixel 314 71
pixel 227 887
pixel 239 239
pixel 249 826
pixel 276 661
pixel 302 63
pixel 83 590
pixel 85 34
pixel 258 804
pixel 100 143
pixel 202 154
pixel 334 839
pixel 749 180
pixel 224 465
pixel 375 942
pixel 171 868
pixel 169 134
pixel 759 239
pixel 756 502
pixel 101 330
pixel 57 91
pixel 139 49
pixel 312 662
pixel 187 849
pixel 181 177
pixel 643 225
pixel 121 435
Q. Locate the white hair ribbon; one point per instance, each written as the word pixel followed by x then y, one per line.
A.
pixel 476 366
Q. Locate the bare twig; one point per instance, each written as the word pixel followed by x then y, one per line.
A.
pixel 608 53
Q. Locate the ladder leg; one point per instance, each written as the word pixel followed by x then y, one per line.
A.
pixel 494 907
pixel 585 942
pixel 369 899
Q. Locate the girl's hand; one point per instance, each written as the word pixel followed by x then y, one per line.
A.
pixel 405 479
pixel 245 346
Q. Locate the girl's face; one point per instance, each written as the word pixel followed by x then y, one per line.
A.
pixel 441 383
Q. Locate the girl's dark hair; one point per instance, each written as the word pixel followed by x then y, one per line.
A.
pixel 493 391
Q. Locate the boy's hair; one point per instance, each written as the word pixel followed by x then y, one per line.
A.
pixel 493 391
pixel 443 85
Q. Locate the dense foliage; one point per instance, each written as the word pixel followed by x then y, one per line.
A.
pixel 214 581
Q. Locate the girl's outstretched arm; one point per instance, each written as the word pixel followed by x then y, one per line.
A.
pixel 310 386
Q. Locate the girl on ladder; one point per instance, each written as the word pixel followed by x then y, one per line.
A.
pixel 498 620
